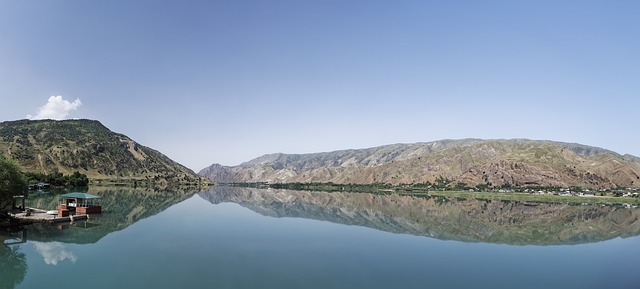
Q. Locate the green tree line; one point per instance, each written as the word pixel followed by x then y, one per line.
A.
pixel 58 179
pixel 12 182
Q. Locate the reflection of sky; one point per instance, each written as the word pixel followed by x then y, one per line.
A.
pixel 54 252
pixel 197 244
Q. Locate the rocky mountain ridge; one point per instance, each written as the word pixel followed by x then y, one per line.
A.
pixel 494 163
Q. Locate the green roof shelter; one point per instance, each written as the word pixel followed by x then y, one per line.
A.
pixel 81 203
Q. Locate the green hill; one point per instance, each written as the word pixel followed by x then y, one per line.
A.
pixel 87 146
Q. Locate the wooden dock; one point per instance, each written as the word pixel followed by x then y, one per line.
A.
pixel 69 218
pixel 40 216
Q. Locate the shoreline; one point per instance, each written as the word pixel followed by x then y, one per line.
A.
pixel 533 196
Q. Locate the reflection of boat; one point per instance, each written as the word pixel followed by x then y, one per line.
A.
pixel 39 186
pixel 122 202
pixel 80 203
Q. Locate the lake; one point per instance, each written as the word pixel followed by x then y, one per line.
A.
pixel 252 238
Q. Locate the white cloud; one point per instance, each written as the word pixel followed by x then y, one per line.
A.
pixel 54 252
pixel 56 108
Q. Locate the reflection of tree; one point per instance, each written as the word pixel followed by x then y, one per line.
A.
pixel 13 266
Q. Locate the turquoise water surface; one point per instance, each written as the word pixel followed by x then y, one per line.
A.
pixel 242 238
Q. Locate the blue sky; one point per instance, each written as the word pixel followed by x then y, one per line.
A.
pixel 227 81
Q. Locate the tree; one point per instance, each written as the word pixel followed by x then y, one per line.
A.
pixel 12 182
pixel 56 178
pixel 77 180
pixel 461 186
pixel 482 187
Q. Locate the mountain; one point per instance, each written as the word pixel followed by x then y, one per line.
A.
pixel 495 163
pixel 86 146
pixel 469 220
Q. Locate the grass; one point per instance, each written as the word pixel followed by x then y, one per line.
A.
pixel 527 197
pixel 418 191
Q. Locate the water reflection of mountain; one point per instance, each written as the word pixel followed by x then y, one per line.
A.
pixel 122 206
pixel 520 223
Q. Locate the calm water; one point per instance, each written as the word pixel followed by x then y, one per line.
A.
pixel 236 238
